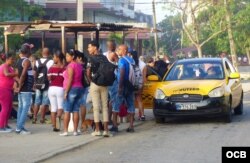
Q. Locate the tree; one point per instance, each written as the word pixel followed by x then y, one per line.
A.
pixel 18 10
pixel 194 24
pixel 171 28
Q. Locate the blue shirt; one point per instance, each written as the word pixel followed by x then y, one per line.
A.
pixel 123 64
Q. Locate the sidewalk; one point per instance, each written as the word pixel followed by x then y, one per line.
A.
pixel 43 143
pixel 244 72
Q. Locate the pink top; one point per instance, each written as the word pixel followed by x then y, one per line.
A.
pixel 77 77
pixel 6 82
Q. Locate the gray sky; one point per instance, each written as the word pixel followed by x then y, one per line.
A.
pixel 147 8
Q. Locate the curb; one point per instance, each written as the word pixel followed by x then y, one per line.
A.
pixel 72 147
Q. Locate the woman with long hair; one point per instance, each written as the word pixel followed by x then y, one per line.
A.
pixel 72 86
pixel 7 75
pixel 138 94
pixel 55 93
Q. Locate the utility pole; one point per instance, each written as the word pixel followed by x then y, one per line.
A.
pixel 155 29
pixel 80 19
pixel 230 35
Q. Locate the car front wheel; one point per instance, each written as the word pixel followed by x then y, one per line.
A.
pixel 228 117
pixel 239 109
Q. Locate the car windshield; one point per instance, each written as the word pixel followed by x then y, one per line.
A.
pixel 196 71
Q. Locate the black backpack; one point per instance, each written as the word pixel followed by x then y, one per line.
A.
pixel 105 75
pixel 42 82
pixel 85 80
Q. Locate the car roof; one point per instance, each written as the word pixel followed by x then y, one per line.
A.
pixel 191 60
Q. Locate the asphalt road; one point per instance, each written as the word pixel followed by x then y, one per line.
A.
pixel 177 140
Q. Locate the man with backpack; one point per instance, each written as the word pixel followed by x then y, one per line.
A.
pixel 125 89
pixel 42 85
pixel 113 58
pixel 101 73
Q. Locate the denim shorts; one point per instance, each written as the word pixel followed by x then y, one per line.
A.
pixel 113 91
pixel 42 97
pixel 84 92
pixel 72 103
pixel 129 100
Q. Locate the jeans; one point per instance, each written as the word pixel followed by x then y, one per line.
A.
pixel 72 103
pixel 113 91
pixel 129 100
pixel 42 97
pixel 24 104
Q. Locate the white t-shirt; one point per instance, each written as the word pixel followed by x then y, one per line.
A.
pixel 49 64
pixel 142 65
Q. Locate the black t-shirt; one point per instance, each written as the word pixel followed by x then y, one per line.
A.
pixel 94 62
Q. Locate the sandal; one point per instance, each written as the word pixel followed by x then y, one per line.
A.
pixel 34 121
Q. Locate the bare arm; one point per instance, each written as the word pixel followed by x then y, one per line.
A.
pixel 24 73
pixel 8 74
pixel 70 72
pixel 88 71
pixel 144 74
pixel 121 80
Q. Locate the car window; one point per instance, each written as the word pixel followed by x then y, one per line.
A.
pixel 232 69
pixel 196 71
pixel 228 68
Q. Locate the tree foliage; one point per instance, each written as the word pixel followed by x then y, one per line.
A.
pixel 212 19
pixel 18 10
pixel 171 34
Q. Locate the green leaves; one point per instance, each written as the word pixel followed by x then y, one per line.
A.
pixel 18 10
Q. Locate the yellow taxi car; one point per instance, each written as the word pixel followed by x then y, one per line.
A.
pixel 202 87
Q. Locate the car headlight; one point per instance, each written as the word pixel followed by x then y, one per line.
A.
pixel 217 92
pixel 159 94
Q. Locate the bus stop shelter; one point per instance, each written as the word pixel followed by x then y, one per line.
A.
pixel 68 27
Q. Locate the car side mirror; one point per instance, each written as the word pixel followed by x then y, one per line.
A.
pixel 234 75
pixel 153 78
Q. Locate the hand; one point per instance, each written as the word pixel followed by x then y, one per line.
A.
pixel 120 91
pixel 65 96
pixel 17 90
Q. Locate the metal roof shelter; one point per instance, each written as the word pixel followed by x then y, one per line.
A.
pixel 64 27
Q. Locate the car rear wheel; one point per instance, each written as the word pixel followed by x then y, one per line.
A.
pixel 159 119
pixel 229 115
pixel 239 109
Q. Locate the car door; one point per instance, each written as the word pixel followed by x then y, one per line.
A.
pixel 149 91
pixel 234 84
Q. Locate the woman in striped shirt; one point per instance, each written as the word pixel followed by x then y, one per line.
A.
pixel 56 94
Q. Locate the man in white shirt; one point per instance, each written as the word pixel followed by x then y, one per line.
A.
pixel 41 99
pixel 113 58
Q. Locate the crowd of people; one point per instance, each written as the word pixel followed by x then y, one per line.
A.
pixel 62 84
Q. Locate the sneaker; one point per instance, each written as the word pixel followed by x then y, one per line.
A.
pixel 18 131
pixel 96 133
pixel 64 134
pixel 5 130
pixel 131 130
pixel 75 133
pixel 107 134
pixel 113 129
pixel 56 129
pixel 8 127
pixel 25 132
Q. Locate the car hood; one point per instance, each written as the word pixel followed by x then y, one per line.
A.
pixel 190 86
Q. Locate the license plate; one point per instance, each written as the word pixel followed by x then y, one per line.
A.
pixel 186 107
